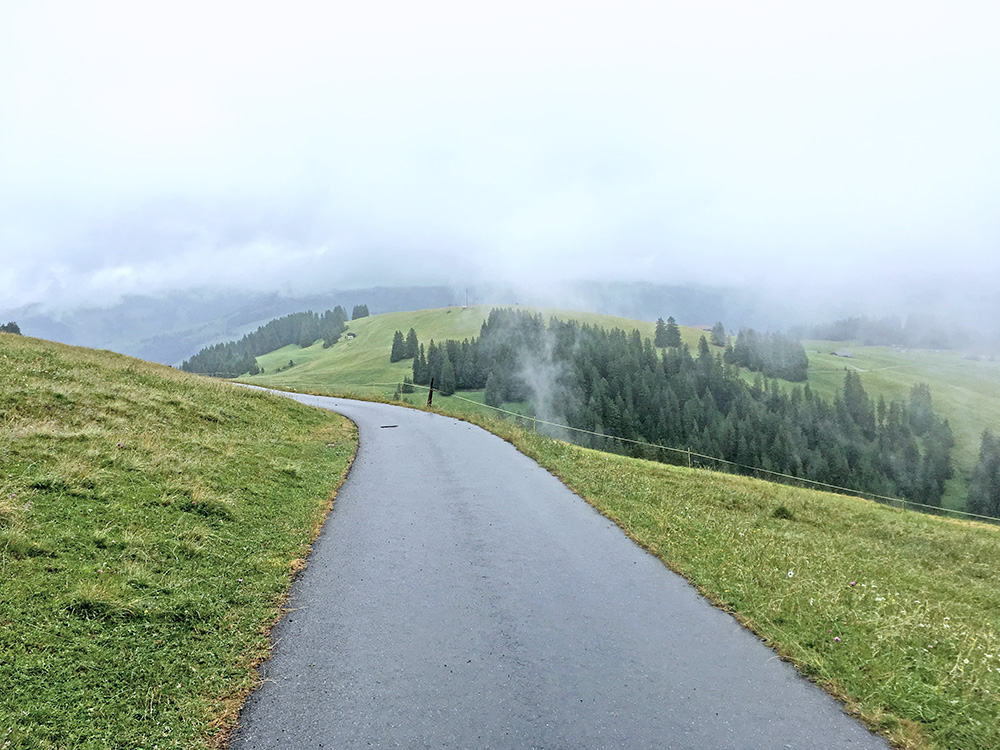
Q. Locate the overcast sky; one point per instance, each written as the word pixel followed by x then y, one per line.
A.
pixel 152 146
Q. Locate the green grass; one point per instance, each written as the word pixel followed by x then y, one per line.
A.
pixel 361 367
pixel 150 523
pixel 895 613
pixel 965 391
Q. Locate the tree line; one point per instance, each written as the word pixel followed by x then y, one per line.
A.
pixel 235 358
pixel 916 331
pixel 10 327
pixel 617 384
pixel 984 485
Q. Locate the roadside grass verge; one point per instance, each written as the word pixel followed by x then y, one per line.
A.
pixel 150 524
pixel 895 613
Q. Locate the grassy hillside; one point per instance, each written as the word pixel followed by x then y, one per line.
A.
pixel 355 365
pixel 150 523
pixel 965 391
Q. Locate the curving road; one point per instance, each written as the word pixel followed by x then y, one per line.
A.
pixel 461 597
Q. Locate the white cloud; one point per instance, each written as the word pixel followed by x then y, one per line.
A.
pixel 143 147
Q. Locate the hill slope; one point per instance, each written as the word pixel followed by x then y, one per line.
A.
pixel 356 364
pixel 964 391
pixel 150 522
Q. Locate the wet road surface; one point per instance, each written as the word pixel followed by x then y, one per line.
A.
pixel 461 597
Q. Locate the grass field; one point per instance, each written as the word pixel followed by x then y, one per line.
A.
pixel 361 365
pixel 150 523
pixel 965 391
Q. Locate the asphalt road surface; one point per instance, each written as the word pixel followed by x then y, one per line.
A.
pixel 460 596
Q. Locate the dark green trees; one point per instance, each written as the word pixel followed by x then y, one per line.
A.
pixel 774 354
pixel 493 396
pixel 10 327
pixel 421 373
pixel 667 334
pixel 237 358
pixel 398 352
pixel 360 311
pixel 447 384
pixel 718 334
pixel 673 333
pixel 660 337
pixel 403 348
pixel 984 486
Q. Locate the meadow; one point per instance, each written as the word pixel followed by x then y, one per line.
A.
pixel 965 391
pixel 150 525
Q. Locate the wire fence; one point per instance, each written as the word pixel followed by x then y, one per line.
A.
pixel 692 459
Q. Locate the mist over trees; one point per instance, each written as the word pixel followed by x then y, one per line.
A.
pixel 915 332
pixel 235 358
pixel 613 383
pixel 774 354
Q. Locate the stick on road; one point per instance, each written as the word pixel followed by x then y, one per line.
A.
pixel 460 596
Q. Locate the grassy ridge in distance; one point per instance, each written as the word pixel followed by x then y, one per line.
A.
pixel 966 392
pixel 150 522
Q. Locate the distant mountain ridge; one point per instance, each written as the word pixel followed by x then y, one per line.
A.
pixel 171 327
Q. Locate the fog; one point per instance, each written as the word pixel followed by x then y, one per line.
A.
pixel 841 158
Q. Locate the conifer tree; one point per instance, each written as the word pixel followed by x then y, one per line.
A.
pixel 421 374
pixel 984 487
pixel 398 352
pixel 411 344
pixel 660 338
pixel 493 396
pixel 719 337
pixel 447 383
pixel 673 333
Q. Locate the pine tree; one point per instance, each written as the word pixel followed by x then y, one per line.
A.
pixel 10 327
pixel 493 396
pixel 673 333
pixel 984 486
pixel 421 374
pixel 447 383
pixel 398 352
pixel 719 337
pixel 660 338
pixel 360 311
pixel 411 344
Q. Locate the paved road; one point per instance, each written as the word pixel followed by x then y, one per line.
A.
pixel 461 597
